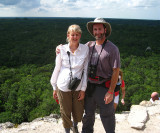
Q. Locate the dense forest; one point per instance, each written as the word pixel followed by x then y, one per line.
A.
pixel 27 55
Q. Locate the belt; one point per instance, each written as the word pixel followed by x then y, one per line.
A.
pixel 97 78
pixel 105 84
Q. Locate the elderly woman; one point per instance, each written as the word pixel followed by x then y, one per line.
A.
pixel 71 65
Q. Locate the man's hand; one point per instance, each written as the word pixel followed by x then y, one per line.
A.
pixel 108 98
pixel 109 95
pixel 58 49
pixel 81 95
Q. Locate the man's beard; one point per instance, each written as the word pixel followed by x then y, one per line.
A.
pixel 99 37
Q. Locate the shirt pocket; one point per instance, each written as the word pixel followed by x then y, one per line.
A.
pixel 80 61
pixel 65 61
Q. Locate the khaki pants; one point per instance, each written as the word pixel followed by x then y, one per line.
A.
pixel 69 104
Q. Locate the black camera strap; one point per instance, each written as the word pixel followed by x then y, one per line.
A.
pixel 99 53
pixel 70 74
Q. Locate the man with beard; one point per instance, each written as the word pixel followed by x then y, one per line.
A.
pixel 104 65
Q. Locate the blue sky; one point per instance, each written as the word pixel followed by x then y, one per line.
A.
pixel 130 9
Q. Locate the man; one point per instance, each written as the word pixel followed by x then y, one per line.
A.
pixel 103 75
pixel 154 96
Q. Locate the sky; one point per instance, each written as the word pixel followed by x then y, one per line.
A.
pixel 125 9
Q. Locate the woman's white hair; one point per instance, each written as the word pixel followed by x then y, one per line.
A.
pixel 73 28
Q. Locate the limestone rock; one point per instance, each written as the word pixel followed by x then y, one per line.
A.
pixel 137 116
pixel 141 118
pixel 146 103
pixel 6 125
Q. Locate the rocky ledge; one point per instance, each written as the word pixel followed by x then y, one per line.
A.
pixel 144 117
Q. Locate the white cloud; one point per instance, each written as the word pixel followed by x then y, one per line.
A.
pixel 48 2
pixel 143 3
pixel 81 8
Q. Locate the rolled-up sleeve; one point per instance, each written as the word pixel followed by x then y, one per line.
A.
pixel 55 73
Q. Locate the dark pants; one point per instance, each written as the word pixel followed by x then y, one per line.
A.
pixel 107 113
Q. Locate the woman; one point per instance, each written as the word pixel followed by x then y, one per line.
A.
pixel 71 63
pixel 120 84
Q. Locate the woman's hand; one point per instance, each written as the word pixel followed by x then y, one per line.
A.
pixel 122 101
pixel 55 95
pixel 81 95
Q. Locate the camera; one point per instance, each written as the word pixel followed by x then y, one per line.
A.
pixel 74 83
pixel 92 69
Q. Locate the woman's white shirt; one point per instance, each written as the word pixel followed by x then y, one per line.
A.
pixel 79 63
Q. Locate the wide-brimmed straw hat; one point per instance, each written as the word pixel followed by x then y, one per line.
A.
pixel 99 21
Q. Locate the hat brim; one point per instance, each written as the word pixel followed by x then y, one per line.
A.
pixel 107 25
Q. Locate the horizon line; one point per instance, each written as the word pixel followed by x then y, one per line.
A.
pixel 79 17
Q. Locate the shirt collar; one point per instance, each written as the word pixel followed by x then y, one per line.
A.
pixel 78 49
